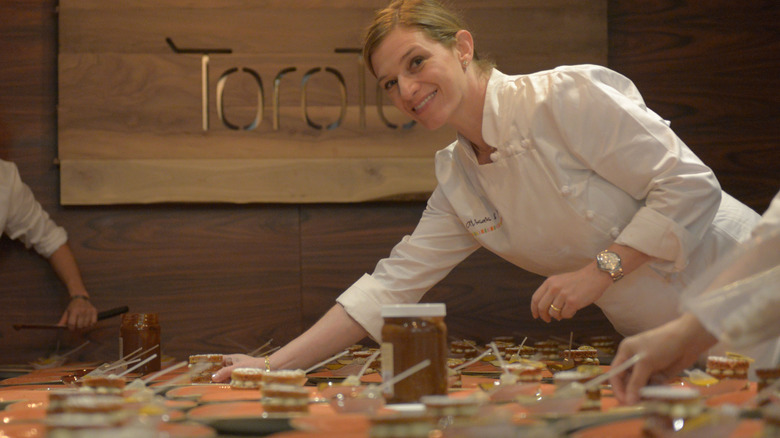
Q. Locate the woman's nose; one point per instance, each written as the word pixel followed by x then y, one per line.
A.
pixel 407 87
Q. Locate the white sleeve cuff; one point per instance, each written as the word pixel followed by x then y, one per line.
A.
pixel 658 236
pixel 360 303
pixel 364 299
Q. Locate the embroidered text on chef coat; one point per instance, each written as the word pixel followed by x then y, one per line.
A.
pixel 486 224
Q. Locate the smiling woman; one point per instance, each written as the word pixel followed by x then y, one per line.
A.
pixel 416 55
pixel 570 163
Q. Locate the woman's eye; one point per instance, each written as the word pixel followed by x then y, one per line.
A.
pixel 389 84
pixel 416 61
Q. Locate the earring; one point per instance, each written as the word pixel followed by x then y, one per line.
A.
pixel 465 63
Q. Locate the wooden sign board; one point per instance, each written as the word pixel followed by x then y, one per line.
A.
pixel 265 100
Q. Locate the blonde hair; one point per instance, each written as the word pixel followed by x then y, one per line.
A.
pixel 429 16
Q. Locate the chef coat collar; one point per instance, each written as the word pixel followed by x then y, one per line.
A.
pixel 491 121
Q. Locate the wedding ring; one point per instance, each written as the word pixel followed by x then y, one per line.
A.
pixel 552 306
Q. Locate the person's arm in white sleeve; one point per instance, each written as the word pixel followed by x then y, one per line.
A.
pixel 28 222
pixel 438 243
pixel 614 134
pixel 610 131
pixel 335 331
pixel 416 263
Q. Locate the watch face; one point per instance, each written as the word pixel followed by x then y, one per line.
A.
pixel 608 261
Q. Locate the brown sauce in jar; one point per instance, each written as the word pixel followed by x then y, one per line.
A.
pixel 141 330
pixel 411 334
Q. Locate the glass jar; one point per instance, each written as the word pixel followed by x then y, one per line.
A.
pixel 141 330
pixel 412 333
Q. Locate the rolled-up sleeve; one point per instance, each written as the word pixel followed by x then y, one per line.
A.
pixel 606 125
pixel 416 263
pixel 26 220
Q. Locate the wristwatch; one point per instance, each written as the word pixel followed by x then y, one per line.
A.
pixel 609 262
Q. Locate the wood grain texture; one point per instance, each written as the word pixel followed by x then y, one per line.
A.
pixel 125 95
pixel 243 181
pixel 710 67
pixel 229 277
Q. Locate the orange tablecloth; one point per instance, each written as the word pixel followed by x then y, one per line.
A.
pixel 24 401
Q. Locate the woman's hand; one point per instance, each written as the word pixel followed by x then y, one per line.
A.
pixel 561 296
pixel 80 314
pixel 233 361
pixel 666 351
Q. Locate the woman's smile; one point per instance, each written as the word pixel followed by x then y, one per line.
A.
pixel 420 107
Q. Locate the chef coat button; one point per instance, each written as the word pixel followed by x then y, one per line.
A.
pixel 565 191
pixel 614 232
pixel 494 156
pixel 589 215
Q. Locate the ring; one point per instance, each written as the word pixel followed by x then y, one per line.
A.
pixel 552 306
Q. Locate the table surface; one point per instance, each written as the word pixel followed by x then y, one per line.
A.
pixel 209 410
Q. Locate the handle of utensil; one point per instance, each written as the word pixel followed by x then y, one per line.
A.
pixel 112 312
pixel 101 316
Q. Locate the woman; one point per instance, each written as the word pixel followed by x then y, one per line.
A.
pixel 548 171
pixel 23 218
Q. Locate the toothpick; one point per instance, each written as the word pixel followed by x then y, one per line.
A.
pixel 145 351
pixel 498 356
pixel 103 369
pixel 312 368
pixel 164 371
pixel 523 343
pixel 595 382
pixel 368 362
pixel 260 348
pixel 108 365
pixel 398 377
pixel 196 369
pixel 473 361
pixel 125 372
pixel 75 349
pixel 267 352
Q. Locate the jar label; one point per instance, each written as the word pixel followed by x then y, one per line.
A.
pixel 386 351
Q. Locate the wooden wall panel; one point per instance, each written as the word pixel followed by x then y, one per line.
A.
pixel 711 68
pixel 225 278
pixel 134 114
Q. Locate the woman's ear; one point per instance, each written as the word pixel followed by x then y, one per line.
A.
pixel 464 46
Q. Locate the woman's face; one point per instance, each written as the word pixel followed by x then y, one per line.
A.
pixel 423 78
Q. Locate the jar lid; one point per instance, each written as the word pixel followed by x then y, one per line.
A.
pixel 413 310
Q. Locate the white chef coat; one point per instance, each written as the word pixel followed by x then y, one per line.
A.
pixel 581 163
pixel 23 218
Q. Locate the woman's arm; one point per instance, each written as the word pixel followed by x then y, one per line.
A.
pixel 561 296
pixel 334 332
pixel 599 118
